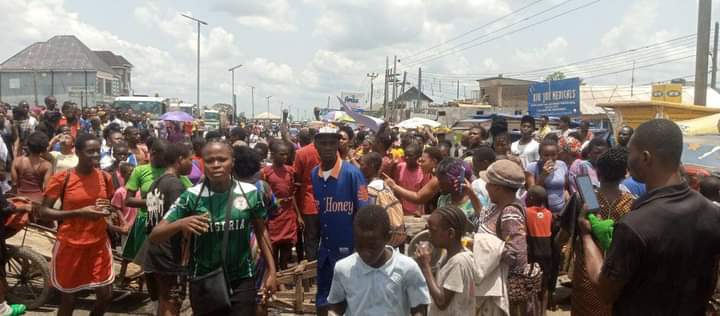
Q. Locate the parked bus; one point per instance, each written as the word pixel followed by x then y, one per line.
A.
pixel 153 105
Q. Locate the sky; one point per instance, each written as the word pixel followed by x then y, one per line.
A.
pixel 301 52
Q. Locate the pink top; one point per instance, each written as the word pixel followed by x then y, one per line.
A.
pixel 412 180
pixel 118 200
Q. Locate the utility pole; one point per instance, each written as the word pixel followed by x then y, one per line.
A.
pixel 402 90
pixel 702 51
pixel 394 74
pixel 234 99
pixel 268 105
pixel 387 72
pixel 419 88
pixel 458 90
pixel 372 76
pixel 252 100
pixel 713 78
pixel 199 23
pixel 632 80
pixel 327 107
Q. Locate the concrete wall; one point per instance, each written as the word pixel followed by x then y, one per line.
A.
pixel 77 86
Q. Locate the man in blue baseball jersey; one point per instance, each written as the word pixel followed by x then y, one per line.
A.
pixel 340 190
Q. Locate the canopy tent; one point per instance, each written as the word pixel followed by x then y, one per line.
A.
pixel 416 122
pixel 267 116
pixel 703 125
pixel 338 116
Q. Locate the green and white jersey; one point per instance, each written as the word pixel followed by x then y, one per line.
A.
pixel 207 255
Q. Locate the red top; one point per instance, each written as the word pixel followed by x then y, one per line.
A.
pixel 283 225
pixel 81 191
pixel 539 221
pixel 306 159
pixel 200 162
pixel 73 128
pixel 412 180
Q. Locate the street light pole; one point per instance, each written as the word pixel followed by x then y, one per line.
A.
pixel 372 76
pixel 199 22
pixel 268 105
pixel 234 102
pixel 252 100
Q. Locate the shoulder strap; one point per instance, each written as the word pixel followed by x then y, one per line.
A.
pixel 226 226
pixel 65 183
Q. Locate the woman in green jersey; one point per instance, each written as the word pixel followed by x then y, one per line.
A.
pixel 201 211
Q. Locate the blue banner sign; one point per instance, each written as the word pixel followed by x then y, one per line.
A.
pixel 555 98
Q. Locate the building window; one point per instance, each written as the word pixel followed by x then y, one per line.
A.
pixel 100 85
pixel 14 83
pixel 108 87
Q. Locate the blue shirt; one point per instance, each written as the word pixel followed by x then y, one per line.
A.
pixel 392 289
pixel 338 198
pixel 636 188
pixel 554 184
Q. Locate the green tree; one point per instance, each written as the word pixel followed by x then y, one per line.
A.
pixel 558 75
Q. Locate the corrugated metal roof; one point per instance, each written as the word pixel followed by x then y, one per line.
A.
pixel 412 94
pixel 61 52
pixel 111 59
pixel 590 96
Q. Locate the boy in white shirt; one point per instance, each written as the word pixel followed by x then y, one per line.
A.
pixel 376 280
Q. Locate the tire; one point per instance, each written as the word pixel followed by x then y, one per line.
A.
pixel 438 255
pixel 28 277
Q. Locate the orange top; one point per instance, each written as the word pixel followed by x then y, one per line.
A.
pixel 81 191
pixel 539 221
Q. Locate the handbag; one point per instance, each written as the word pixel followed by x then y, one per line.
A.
pixel 210 293
pixel 525 284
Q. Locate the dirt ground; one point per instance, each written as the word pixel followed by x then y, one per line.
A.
pixel 134 303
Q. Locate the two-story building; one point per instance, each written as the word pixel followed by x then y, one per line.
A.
pixel 66 68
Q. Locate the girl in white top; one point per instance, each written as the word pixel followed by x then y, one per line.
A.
pixel 453 288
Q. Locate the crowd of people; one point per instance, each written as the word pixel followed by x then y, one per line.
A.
pixel 216 216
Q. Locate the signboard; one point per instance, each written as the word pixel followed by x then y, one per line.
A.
pixel 555 98
pixel 352 99
pixel 671 92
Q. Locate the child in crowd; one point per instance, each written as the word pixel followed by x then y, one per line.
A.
pixel 122 224
pixel 381 195
pixel 453 288
pixel 120 153
pixel 409 175
pixel 284 223
pixel 539 230
pixel 376 279
pixel 482 158
pixel 118 200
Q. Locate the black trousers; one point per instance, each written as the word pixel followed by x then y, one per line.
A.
pixel 311 236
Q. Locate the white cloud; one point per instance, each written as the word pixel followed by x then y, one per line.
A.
pixel 270 15
pixel 551 53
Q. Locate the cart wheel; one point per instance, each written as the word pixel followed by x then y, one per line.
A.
pixel 438 255
pixel 28 277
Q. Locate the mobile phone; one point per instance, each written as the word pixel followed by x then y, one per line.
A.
pixel 587 193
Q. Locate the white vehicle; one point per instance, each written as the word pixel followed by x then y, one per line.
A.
pixel 187 108
pixel 153 105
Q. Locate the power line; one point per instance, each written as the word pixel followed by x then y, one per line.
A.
pixel 473 30
pixel 594 62
pixel 451 51
pixel 585 71
pixel 641 67
pixel 686 40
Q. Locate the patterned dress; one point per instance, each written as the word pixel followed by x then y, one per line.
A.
pixel 585 298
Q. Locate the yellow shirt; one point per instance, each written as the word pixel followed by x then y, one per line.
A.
pixel 397 153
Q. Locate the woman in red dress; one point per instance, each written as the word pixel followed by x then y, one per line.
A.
pixel 81 257
pixel 283 224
